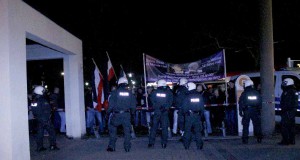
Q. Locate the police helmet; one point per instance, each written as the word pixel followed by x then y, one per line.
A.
pixel 248 83
pixel 191 86
pixel 161 83
pixel 183 81
pixel 288 82
pixel 122 80
pixel 39 90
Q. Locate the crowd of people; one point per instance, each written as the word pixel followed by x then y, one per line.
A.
pixel 215 117
pixel 185 109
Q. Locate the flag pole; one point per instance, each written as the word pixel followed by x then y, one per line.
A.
pixel 123 70
pixel 111 65
pixel 225 75
pixel 144 64
pixel 96 67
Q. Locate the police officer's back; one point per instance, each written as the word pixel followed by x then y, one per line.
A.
pixel 249 108
pixel 178 99
pixel 162 99
pixel 42 112
pixel 193 108
pixel 288 104
pixel 122 104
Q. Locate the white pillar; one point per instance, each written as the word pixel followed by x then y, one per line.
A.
pixel 74 97
pixel 14 144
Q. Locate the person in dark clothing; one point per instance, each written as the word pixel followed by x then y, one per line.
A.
pixel 149 111
pixel 57 103
pixel 42 112
pixel 218 112
pixel 178 98
pixel 201 88
pixel 288 104
pixel 162 99
pixel 141 102
pixel 193 108
pixel 122 106
pixel 230 110
pixel 88 97
pixel 249 108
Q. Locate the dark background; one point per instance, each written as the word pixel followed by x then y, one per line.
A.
pixel 176 32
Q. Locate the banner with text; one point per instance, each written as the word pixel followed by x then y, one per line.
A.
pixel 207 69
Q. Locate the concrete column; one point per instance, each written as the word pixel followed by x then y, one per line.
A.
pixel 74 96
pixel 267 67
pixel 14 144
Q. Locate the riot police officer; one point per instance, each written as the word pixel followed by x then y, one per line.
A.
pixel 193 108
pixel 288 104
pixel 122 105
pixel 179 95
pixel 249 108
pixel 42 112
pixel 162 99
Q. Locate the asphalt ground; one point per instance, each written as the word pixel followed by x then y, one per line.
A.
pixel 215 148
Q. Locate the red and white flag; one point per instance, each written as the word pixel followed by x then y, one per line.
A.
pixel 110 70
pixel 98 83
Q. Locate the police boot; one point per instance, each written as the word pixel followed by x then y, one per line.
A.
pixel 41 149
pixel 292 142
pixel 53 147
pixel 245 141
pixel 200 147
pixel 259 140
pixel 127 149
pixel 110 149
pixel 150 145
pixel 164 145
pixel 284 143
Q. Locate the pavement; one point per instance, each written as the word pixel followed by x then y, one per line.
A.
pixel 215 148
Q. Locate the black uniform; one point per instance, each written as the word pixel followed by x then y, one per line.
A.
pixel 193 108
pixel 179 97
pixel 288 104
pixel 122 104
pixel 162 99
pixel 42 112
pixel 249 108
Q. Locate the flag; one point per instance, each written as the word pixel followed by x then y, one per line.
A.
pixel 122 72
pixel 110 70
pixel 99 90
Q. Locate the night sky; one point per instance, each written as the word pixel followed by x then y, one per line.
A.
pixel 176 32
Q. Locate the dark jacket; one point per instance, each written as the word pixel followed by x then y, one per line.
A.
pixel 193 101
pixel 161 98
pixel 179 96
pixel 289 99
pixel 250 98
pixel 121 99
pixel 41 108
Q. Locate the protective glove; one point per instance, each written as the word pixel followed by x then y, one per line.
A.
pixel 241 114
